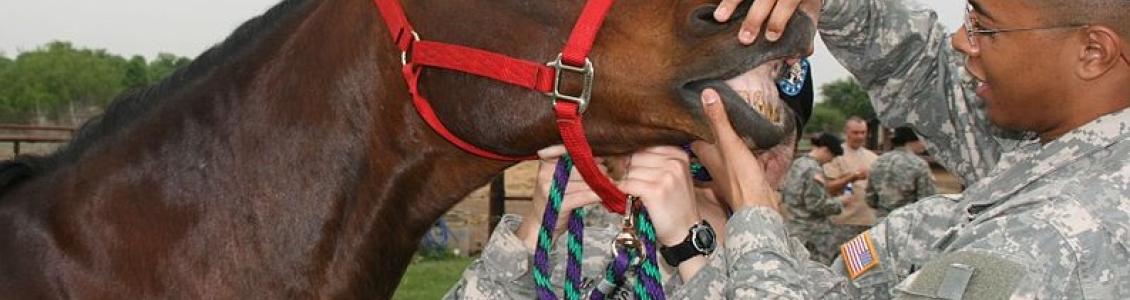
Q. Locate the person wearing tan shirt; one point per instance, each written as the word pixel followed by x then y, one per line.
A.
pixel 855 162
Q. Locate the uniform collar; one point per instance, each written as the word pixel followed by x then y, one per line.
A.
pixel 1032 161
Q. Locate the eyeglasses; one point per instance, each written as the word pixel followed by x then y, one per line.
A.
pixel 973 28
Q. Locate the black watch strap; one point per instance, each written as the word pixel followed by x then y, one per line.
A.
pixel 677 254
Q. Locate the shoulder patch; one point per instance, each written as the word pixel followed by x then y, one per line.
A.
pixel 859 255
pixel 965 275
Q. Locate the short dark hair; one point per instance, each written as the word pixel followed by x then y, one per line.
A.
pixel 1111 13
pixel 829 141
pixel 902 136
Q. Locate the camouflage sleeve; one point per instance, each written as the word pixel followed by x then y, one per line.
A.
pixel 902 56
pixel 501 271
pixel 709 283
pixel 924 183
pixel 816 199
pixel 871 194
pixel 764 263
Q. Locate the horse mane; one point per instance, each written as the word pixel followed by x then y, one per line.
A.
pixel 135 103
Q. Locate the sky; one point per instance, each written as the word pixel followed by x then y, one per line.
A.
pixel 187 28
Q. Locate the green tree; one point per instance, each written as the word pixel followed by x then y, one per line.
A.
pixel 4 62
pixel 61 83
pixel 165 64
pixel 825 118
pixel 848 97
pixel 137 72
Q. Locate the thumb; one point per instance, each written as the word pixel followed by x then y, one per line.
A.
pixel 719 121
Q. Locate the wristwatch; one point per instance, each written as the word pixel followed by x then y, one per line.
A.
pixel 700 241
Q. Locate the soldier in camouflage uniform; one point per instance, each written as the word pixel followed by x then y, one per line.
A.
pixel 899 177
pixel 806 199
pixel 1047 212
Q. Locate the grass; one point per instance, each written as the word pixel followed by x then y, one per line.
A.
pixel 430 278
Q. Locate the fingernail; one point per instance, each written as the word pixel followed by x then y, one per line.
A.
pixel 745 36
pixel 772 35
pixel 709 98
pixel 720 13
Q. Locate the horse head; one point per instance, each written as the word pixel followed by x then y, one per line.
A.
pixel 652 60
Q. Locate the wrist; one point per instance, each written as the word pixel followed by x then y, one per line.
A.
pixel 678 232
pixel 528 232
pixel 689 268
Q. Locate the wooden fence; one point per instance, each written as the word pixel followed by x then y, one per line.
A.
pixel 33 134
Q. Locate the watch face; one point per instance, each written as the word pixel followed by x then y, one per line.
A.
pixel 703 239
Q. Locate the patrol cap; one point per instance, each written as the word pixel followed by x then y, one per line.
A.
pixel 830 141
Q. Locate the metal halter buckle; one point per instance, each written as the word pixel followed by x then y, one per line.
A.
pixel 586 71
pixel 404 54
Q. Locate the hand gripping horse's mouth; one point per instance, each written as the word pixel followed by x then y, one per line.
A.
pixel 755 109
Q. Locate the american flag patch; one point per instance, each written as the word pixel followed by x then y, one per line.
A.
pixel 859 255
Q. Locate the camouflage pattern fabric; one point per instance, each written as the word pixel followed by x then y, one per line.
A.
pixel 809 206
pixel 1058 212
pixel 898 177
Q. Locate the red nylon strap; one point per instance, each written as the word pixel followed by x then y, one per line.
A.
pixel 412 75
pixel 573 134
pixel 534 76
pixel 584 32
pixel 398 25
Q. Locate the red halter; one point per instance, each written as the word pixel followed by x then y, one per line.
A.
pixel 417 54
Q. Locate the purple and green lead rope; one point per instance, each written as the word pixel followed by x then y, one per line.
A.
pixel 542 272
pixel 648 278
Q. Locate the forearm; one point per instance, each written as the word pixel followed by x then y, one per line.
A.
pixel 836 186
pixel 763 263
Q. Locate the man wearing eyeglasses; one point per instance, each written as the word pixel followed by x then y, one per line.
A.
pixel 1027 103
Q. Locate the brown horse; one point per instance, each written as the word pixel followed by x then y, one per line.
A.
pixel 288 161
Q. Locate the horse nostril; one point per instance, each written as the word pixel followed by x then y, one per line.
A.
pixel 704 14
pixel 701 20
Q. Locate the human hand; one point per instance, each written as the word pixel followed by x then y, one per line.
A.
pixel 739 177
pixel 776 12
pixel 577 194
pixel 660 177
pixel 862 174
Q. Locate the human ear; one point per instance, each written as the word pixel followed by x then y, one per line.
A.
pixel 1102 53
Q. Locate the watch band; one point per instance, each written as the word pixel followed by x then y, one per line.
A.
pixel 677 254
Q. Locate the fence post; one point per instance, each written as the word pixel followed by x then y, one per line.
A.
pixel 497 201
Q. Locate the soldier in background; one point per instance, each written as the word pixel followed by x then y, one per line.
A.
pixel 807 202
pixel 899 177
pixel 856 162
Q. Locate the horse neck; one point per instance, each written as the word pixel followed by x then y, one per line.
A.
pixel 304 146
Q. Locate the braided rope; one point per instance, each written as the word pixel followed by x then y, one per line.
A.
pixel 647 285
pixel 576 254
pixel 548 225
pixel 698 171
pixel 614 273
